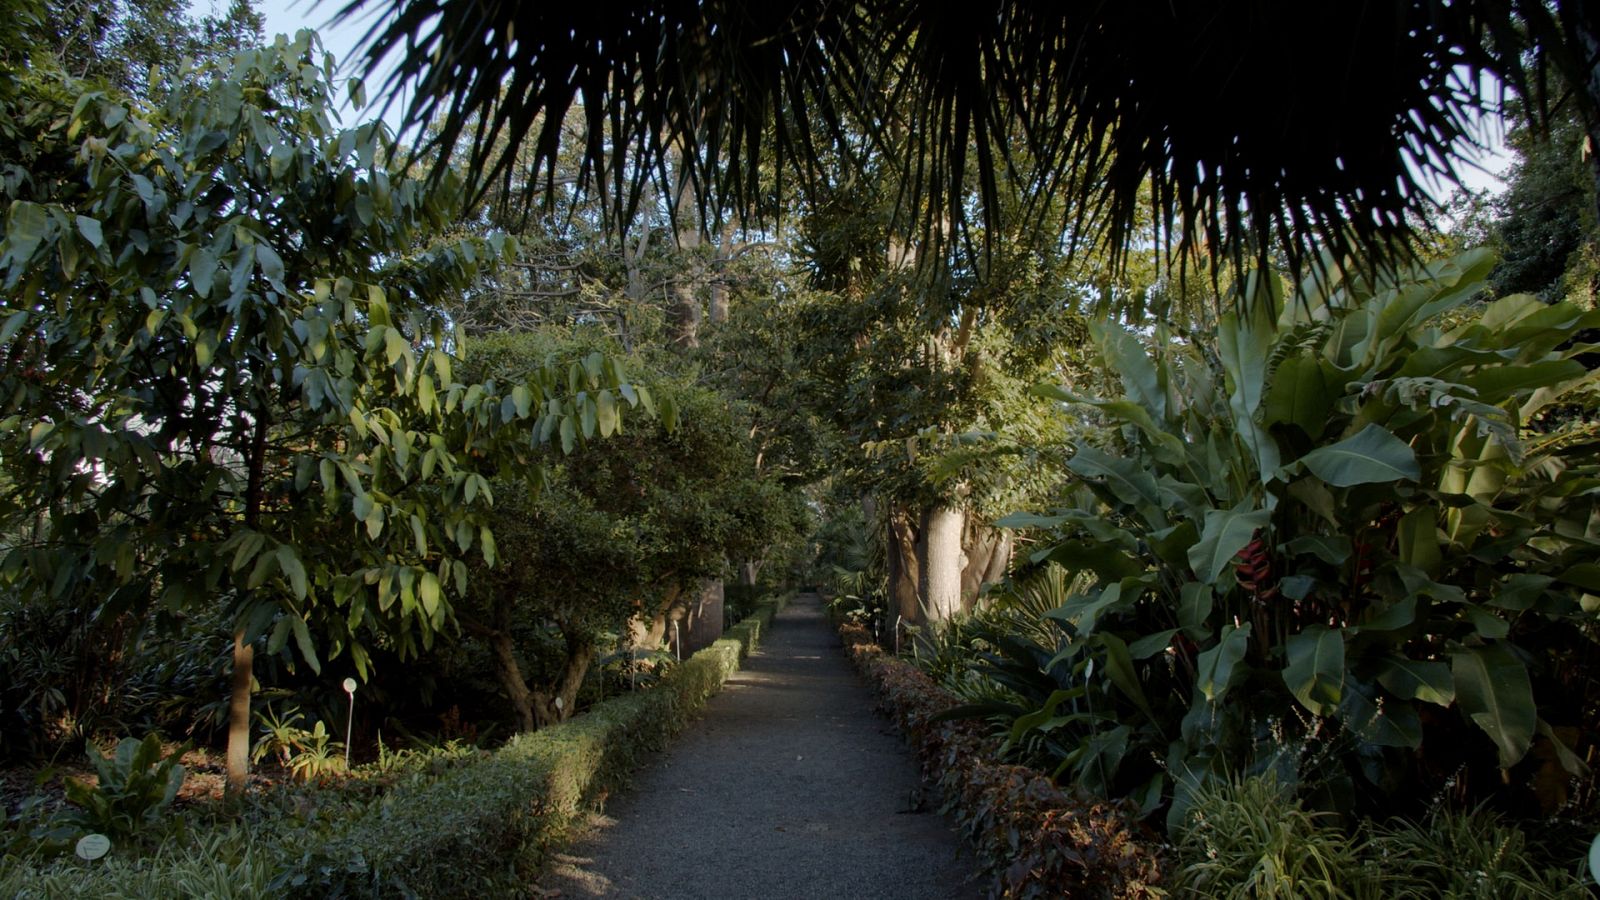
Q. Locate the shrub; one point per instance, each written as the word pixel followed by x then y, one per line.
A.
pixel 1038 840
pixel 134 786
pixel 1250 838
pixel 484 828
pixel 480 827
pixel 1456 854
pixel 226 864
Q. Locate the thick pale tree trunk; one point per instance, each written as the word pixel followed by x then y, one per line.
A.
pixel 988 552
pixel 942 562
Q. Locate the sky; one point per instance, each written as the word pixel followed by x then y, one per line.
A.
pixel 288 16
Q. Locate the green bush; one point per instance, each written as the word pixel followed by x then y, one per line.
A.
pixel 225 863
pixel 479 828
pixel 134 786
pixel 1251 837
pixel 485 828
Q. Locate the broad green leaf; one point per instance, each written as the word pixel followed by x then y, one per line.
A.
pixel 302 638
pixel 1302 394
pixel 606 412
pixel 1400 614
pixel 1151 644
pixel 1494 691
pixel 1395 723
pixel 1411 679
pixel 289 563
pixel 1372 456
pixel 1495 384
pixel 569 434
pixel 90 229
pixel 25 229
pixel 486 539
pixel 1126 479
pixel 1418 532
pixel 1217 667
pixel 1128 359
pixel 1227 531
pixel 203 271
pixel 1120 669
pixel 1315 669
pixel 1194 609
pixel 1028 520
pixel 270 262
pixel 428 594
pixel 14 323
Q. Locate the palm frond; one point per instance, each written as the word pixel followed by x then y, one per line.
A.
pixel 1261 127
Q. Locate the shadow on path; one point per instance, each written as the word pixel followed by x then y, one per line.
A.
pixel 789 787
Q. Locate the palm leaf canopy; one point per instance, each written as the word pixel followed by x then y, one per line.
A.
pixel 1254 123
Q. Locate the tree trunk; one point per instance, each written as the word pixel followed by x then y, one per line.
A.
pixel 244 652
pixel 702 621
pixel 719 288
pixel 942 562
pixel 905 569
pixel 244 657
pixel 685 293
pixel 749 570
pixel 557 706
pixel 988 552
pixel 510 673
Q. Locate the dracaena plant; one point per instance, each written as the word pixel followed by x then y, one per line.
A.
pixel 1354 535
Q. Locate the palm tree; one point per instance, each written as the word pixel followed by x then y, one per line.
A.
pixel 1255 123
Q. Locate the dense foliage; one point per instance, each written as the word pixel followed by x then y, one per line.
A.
pixel 1340 548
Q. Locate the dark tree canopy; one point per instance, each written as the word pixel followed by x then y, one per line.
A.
pixel 1254 122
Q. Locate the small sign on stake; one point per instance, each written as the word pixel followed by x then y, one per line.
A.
pixel 93 846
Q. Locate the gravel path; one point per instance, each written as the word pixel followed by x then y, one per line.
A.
pixel 790 786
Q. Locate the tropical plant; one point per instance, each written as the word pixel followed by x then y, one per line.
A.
pixel 1251 838
pixel 316 755
pixel 1336 534
pixel 134 785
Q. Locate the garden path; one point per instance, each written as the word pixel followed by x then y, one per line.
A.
pixel 789 787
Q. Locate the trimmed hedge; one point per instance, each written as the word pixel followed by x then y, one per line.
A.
pixel 481 828
pixel 1038 840
pixel 485 828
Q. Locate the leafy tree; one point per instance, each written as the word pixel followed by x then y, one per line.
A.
pixel 1545 223
pixel 120 41
pixel 228 382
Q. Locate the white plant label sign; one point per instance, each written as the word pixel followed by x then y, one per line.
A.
pixel 93 846
pixel 1594 859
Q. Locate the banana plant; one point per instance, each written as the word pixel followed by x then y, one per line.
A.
pixel 1362 521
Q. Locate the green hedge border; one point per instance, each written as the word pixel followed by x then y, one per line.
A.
pixel 1037 840
pixel 480 829
pixel 486 828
